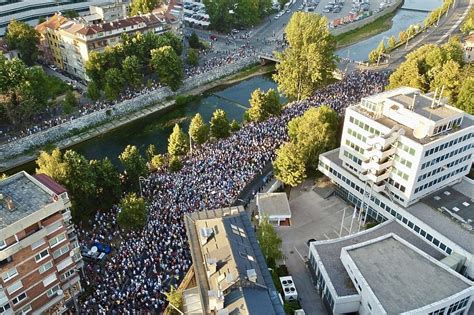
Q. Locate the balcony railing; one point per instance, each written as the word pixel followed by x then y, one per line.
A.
pixel 377 178
pixel 27 241
pixel 381 154
pixel 377 165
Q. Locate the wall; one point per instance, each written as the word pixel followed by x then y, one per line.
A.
pixel 57 133
pixel 370 19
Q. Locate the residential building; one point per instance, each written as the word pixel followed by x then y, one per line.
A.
pixel 39 252
pixel 404 155
pixel 231 274
pixel 388 269
pixel 30 11
pixel 50 44
pixel 106 13
pixel 275 207
pixel 77 39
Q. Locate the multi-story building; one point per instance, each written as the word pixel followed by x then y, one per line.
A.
pixel 78 39
pixel 404 155
pixel 50 49
pixel 39 252
pixel 388 269
pixel 30 11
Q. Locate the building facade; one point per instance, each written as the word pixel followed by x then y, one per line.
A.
pixel 404 155
pixel 40 255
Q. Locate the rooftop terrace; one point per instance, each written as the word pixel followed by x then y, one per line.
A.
pixel 27 196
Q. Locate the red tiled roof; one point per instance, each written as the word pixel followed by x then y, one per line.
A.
pixel 50 183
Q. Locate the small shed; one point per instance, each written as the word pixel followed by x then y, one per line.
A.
pixel 275 206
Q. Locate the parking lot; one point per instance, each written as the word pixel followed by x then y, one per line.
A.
pixel 313 217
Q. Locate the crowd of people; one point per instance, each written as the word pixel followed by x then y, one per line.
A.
pixel 148 261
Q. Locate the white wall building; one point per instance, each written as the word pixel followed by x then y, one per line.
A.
pixel 387 270
pixel 404 155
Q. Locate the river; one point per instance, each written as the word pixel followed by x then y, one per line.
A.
pixel 400 22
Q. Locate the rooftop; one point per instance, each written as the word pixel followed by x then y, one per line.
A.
pixel 330 252
pixel 26 194
pixel 224 239
pixel 402 278
pixel 272 204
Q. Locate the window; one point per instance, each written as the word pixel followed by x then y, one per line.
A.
pixel 58 239
pixel 25 310
pixel 39 257
pixel 52 291
pixel 4 308
pixel 19 298
pixel 46 267
pixel 50 279
pixel 70 272
pixel 9 274
pixel 2 244
pixel 61 251
pixel 14 287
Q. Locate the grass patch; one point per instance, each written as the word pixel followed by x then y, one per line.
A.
pixel 381 24
pixel 184 99
pixel 56 86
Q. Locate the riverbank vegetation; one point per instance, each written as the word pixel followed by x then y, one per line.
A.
pixel 380 25
pixel 438 68
pixel 309 61
pixel 468 23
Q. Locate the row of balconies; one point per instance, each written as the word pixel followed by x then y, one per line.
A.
pixel 380 153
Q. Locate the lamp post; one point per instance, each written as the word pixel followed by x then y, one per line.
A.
pixel 140 178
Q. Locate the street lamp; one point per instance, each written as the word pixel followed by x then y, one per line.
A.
pixel 140 178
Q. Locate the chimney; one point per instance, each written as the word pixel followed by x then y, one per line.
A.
pixel 412 107
pixel 252 275
pixel 10 204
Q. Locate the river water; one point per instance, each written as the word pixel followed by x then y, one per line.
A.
pixel 400 22
pixel 232 99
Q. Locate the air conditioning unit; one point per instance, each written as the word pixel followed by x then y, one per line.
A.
pixel 289 289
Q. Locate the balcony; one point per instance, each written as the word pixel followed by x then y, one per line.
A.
pixel 380 153
pixel 377 165
pixel 377 178
pixel 67 216
pixel 378 187
pixel 27 241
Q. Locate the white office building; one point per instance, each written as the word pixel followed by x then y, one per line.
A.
pixel 404 155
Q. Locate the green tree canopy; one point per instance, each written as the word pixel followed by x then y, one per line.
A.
pixel 392 42
pixel 175 164
pixel 448 80
pixel 198 130
pixel 468 24
pixel 234 125
pixel 177 142
pixel 132 71
pixel 51 164
pixel 309 61
pixel 114 82
pixel 23 37
pixel 168 66
pixel 132 213
pixel 263 105
pixel 269 242
pixel 142 6
pixel 289 165
pixel 93 91
pixel 194 41
pixel 193 57
pixel 175 298
pixel 70 102
pixel 107 183
pixel 465 99
pixel 151 151
pixel 220 126
pixel 134 165
pixel 157 162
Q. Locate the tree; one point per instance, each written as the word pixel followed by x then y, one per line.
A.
pixel 465 100
pixel 314 133
pixel 272 103
pixel 403 36
pixel 175 164
pixel 198 130
pixel 151 151
pixel 234 126
pixel 132 213
pixel 23 37
pixel 194 41
pixel 96 66
pixel 309 61
pixel 51 164
pixel 193 57
pixel 132 71
pixel 70 102
pixel 289 165
pixel 107 183
pixel 177 142
pixel 134 165
pixel 157 162
pixel 93 91
pixel 221 14
pixel 448 80
pixel 142 6
pixel 392 42
pixel 263 105
pixel 247 12
pixel 114 82
pixel 374 55
pixel 468 24
pixel 168 66
pixel 175 298
pixel 220 126
pixel 70 14
pixel 269 242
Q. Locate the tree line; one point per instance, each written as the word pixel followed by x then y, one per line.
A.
pixel 125 63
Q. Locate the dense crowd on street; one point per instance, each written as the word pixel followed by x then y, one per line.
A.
pixel 148 261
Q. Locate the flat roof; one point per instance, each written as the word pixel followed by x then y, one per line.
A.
pixel 273 204
pixel 234 250
pixel 330 252
pixel 26 194
pixel 401 278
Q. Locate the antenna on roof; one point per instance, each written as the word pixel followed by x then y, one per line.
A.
pixel 440 95
pixel 434 98
pixel 412 107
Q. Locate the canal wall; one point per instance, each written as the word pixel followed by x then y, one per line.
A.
pixel 85 127
pixel 358 24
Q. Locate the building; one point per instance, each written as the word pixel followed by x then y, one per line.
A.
pixel 5 50
pixel 387 269
pixel 469 48
pixel 30 11
pixel 275 207
pixel 39 251
pixel 106 13
pixel 404 155
pixel 76 39
pixel 50 44
pixel 231 273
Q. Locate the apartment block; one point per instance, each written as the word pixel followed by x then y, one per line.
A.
pixel 405 155
pixel 76 39
pixel 40 256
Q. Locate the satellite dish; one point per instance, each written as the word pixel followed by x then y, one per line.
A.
pixel 60 292
pixel 94 249
pixel 420 131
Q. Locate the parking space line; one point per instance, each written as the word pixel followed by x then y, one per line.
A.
pixel 299 253
pixel 326 236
